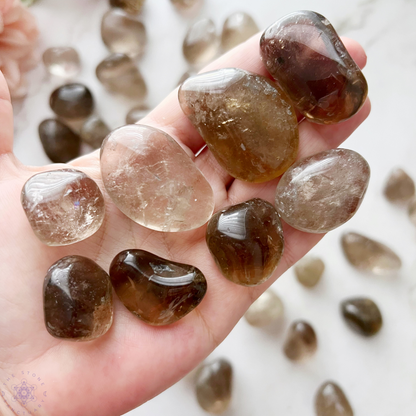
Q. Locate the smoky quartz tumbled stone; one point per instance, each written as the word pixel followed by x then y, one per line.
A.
pixel 157 290
pixel 330 400
pixel 303 52
pixel 237 28
pixel 72 101
pixel 301 341
pixel 130 6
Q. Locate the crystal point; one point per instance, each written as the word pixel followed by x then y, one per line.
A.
pixel 237 28
pixel 265 310
pixel 72 101
pixel 62 62
pixel 94 131
pixel 330 400
pixel 130 6
pixel 300 341
pixel 400 187
pixel 309 270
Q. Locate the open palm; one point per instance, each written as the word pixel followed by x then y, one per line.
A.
pixel 133 362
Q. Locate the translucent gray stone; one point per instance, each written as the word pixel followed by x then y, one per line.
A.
pixel 94 131
pixel 62 62
pixel 265 310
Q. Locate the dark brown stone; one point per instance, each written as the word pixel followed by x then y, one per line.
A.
pixel 72 101
pixel 300 342
pixel 130 6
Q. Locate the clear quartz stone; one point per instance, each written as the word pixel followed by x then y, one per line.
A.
pixel 237 28
pixel 62 62
pixel 265 310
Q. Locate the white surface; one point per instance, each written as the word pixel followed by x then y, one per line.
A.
pixel 379 374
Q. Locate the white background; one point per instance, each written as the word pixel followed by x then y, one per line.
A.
pixel 379 374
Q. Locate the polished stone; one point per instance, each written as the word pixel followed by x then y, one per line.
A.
pixel 362 315
pixel 201 42
pixel 153 181
pixel 60 143
pixel 185 4
pixel 94 131
pixel 400 187
pixel 157 290
pixel 119 74
pixel 321 192
pixel 123 33
pixel 237 28
pixel 246 120
pixel 268 308
pixel 309 270
pixel 214 384
pixel 330 400
pixel 77 299
pixel 62 62
pixel 369 255
pixel 412 211
pixel 246 241
pixel 137 113
pixel 304 54
pixel 130 6
pixel 72 101
pixel 301 341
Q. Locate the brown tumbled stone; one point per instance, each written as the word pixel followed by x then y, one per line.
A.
pixel 214 382
pixel 137 113
pixel 309 270
pixel 330 400
pixel 362 315
pixel 246 241
pixel 157 290
pixel 72 101
pixel 265 310
pixel 237 28
pixel 62 62
pixel 130 6
pixel 246 120
pixel 77 299
pixel 400 187
pixel 300 341
pixel 321 192
pixel 94 131
pixel 304 54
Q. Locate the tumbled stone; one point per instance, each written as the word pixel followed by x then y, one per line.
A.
pixel 300 341
pixel 62 62
pixel 201 42
pixel 157 290
pixel 214 383
pixel 123 33
pixel 362 315
pixel 309 270
pixel 369 255
pixel 63 206
pixel 246 120
pixel 119 74
pixel 400 187
pixel 330 400
pixel 412 211
pixel 265 310
pixel 237 28
pixel 60 143
pixel 323 191
pixel 185 4
pixel 94 131
pixel 137 113
pixel 153 181
pixel 246 241
pixel 130 6
pixel 77 299
pixel 304 54
pixel 72 101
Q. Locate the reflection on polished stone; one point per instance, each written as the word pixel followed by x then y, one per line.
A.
pixel 237 28
pixel 72 101
pixel 265 310
pixel 300 341
pixel 94 131
pixel 330 400
pixel 309 270
pixel 62 62
pixel 400 187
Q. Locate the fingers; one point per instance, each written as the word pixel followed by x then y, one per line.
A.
pixel 6 118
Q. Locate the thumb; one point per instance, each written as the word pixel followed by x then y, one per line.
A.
pixel 6 118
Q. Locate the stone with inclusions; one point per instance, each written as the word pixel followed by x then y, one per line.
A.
pixel 130 6
pixel 304 54
pixel 60 143
pixel 246 120
pixel 309 270
pixel 94 131
pixel 265 310
pixel 123 33
pixel 301 341
pixel 63 206
pixel 323 191
pixel 246 241
pixel 237 28
pixel 137 113
pixel 119 74
pixel 330 400
pixel 63 62
pixel 157 290
pixel 400 187
pixel 153 181
pixel 201 42
pixel 369 255
pixel 362 315
pixel 72 101
pixel 77 298
pixel 214 383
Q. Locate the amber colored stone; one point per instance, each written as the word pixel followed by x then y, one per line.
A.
pixel 137 113
pixel 201 42
pixel 157 290
pixel 400 187
pixel 246 120
pixel 130 6
pixel 309 270
pixel 60 143
pixel 323 191
pixel 265 310
pixel 214 383
pixel 304 54
pixel 412 211
pixel 301 341
pixel 77 299
pixel 153 181
pixel 237 28
pixel 330 400
pixel 362 315
pixel 246 241
pixel 62 62
pixel 369 255
pixel 94 131
pixel 119 74
pixel 72 101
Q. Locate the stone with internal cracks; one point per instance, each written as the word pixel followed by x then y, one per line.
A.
pixel 330 400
